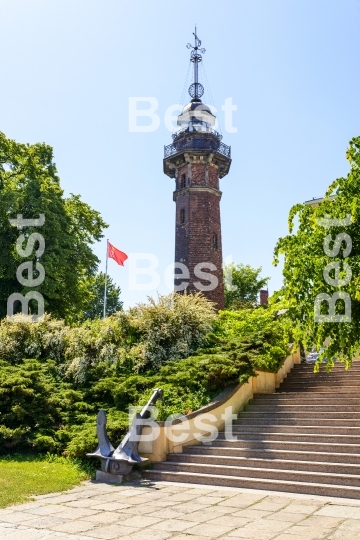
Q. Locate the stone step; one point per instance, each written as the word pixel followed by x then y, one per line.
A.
pixel 311 488
pixel 351 381
pixel 340 397
pixel 347 417
pixel 272 453
pixel 319 384
pixel 302 409
pixel 337 366
pixel 300 436
pixel 298 411
pixel 273 463
pixel 323 375
pixel 296 420
pixel 311 395
pixel 260 472
pixel 325 400
pixel 320 389
pixel 324 379
pixel 282 443
pixel 302 428
pixel 309 370
pixel 312 381
pixel 345 375
pixel 301 375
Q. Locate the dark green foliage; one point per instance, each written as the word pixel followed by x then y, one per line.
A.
pixel 29 406
pixel 50 404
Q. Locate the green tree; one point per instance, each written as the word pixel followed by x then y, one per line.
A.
pixel 310 247
pixel 30 186
pixel 94 292
pixel 242 285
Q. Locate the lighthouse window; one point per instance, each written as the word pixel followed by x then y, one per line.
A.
pixel 182 216
pixel 215 242
pixel 183 181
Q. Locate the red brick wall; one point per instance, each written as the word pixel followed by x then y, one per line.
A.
pixel 194 238
pixel 213 176
pixel 198 174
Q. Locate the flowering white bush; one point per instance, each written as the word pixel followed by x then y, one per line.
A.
pixel 172 327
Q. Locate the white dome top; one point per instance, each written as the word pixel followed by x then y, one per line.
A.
pixel 196 111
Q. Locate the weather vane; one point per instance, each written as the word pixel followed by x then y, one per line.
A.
pixel 196 90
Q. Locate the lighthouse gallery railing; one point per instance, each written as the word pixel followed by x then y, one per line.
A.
pixel 197 143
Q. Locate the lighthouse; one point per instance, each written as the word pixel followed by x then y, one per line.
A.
pixel 197 159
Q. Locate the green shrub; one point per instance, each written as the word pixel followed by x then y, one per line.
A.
pixel 50 404
pixel 28 403
pixel 172 328
pixel 21 338
pixel 45 443
pixel 258 334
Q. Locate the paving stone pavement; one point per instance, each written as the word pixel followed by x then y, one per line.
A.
pixel 163 510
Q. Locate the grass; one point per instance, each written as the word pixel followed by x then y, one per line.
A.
pixel 22 477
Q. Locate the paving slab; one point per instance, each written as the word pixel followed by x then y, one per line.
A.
pixel 164 510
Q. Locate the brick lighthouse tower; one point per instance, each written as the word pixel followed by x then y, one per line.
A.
pixel 197 159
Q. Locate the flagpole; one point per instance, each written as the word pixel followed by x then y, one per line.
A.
pixel 106 271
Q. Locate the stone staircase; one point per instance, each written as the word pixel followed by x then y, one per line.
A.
pixel 305 438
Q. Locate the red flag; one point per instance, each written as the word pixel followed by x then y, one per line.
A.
pixel 118 256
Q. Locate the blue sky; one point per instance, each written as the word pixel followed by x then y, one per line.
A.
pixel 68 68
